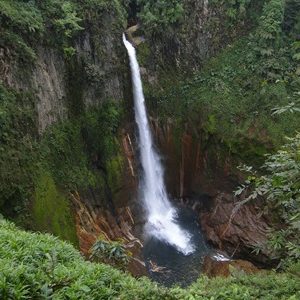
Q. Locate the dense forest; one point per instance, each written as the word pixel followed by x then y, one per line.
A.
pixel 222 88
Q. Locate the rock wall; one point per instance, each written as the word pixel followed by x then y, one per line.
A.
pixel 196 168
pixel 63 88
pixel 203 31
pixel 96 72
pixel 202 174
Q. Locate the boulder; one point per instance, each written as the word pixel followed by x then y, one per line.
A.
pixel 213 267
pixel 237 231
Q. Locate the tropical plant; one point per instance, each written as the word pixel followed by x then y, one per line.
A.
pixel 280 187
pixel 157 15
pixel 111 252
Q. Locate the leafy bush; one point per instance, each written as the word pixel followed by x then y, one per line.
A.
pixel 157 15
pixel 269 29
pixel 39 266
pixel 22 16
pixel 69 24
pixel 281 189
pixel 265 286
pixel 110 252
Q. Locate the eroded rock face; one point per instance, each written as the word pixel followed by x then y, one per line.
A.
pixel 236 231
pixel 115 217
pixel 203 176
pixel 190 43
pixel 91 223
pixel 94 74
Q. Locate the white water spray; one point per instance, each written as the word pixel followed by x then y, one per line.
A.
pixel 160 214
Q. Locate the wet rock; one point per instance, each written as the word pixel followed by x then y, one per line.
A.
pixel 237 231
pixel 213 267
pixel 92 223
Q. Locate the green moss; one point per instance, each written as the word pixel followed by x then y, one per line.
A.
pixel 63 152
pixel 17 148
pixel 143 53
pixel 51 210
pixel 211 124
pixel 114 169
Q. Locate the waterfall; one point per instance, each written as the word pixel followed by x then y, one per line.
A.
pixel 161 216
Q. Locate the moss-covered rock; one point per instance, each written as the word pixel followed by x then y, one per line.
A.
pixel 52 211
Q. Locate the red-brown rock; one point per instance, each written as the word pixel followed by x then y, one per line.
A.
pixel 214 268
pixel 237 231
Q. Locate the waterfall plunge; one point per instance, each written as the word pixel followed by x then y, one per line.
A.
pixel 161 215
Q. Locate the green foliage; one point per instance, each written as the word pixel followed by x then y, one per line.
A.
pixel 71 148
pixel 240 87
pixel 20 23
pixel 69 23
pixel 39 266
pixel 62 151
pixel 231 88
pixel 69 52
pixel 17 147
pixel 51 210
pixel 95 8
pixel 281 189
pixel 25 24
pixel 18 46
pixel 292 107
pixel 21 16
pixel 269 29
pixel 265 286
pixel 62 19
pixel 158 15
pixel 77 155
pixel 35 266
pixel 234 9
pixel 271 43
pixel 113 253
pixel 292 17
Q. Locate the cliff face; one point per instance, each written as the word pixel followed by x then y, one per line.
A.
pixel 204 28
pixel 200 164
pixel 84 139
pixel 62 114
pixel 94 74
